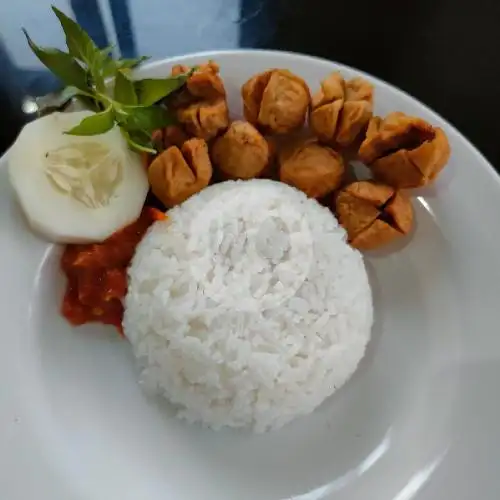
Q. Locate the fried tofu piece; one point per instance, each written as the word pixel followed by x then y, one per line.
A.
pixel 404 151
pixel 315 169
pixel 276 101
pixel 242 152
pixel 341 110
pixel 205 119
pixel 173 135
pixel 373 214
pixel 201 106
pixel 176 174
pixel 205 82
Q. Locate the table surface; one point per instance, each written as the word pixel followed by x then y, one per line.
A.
pixel 444 52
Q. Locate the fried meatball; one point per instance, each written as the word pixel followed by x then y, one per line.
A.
pixel 314 169
pixel 242 152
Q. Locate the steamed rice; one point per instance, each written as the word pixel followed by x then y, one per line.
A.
pixel 247 308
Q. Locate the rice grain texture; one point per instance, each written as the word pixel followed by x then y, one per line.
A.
pixel 247 308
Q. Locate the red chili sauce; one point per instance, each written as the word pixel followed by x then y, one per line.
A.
pixel 97 274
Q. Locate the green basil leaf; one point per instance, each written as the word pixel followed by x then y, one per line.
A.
pixel 96 62
pixel 152 90
pixel 124 91
pixel 83 48
pixel 108 63
pixel 79 43
pixel 131 63
pixel 61 64
pixel 96 124
pixel 137 143
pixel 147 119
pixel 110 66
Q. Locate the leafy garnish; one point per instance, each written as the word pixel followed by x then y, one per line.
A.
pixel 124 91
pixel 152 90
pixel 61 64
pixel 147 119
pixel 112 65
pixel 96 124
pixel 79 43
pixel 138 142
pixel 85 69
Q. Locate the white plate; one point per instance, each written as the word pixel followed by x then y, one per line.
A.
pixel 419 419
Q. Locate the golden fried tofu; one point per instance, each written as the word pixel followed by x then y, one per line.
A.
pixel 404 151
pixel 201 106
pixel 205 82
pixel 315 169
pixel 341 110
pixel 205 119
pixel 373 214
pixel 242 152
pixel 276 101
pixel 176 174
pixel 173 135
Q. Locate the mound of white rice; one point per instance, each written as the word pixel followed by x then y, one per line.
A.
pixel 247 307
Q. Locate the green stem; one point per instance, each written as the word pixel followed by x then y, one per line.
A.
pixel 104 99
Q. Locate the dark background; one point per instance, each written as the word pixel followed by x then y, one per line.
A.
pixel 443 52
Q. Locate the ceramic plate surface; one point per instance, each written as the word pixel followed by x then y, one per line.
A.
pixel 418 420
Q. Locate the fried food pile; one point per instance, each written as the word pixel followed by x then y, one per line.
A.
pixel 304 140
pixel 201 107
